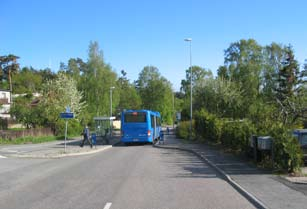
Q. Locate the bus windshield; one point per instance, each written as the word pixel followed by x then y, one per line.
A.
pixel 135 117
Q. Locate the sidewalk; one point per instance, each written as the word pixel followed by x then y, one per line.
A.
pixel 261 187
pixel 55 149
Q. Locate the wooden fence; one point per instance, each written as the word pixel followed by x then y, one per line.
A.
pixel 11 135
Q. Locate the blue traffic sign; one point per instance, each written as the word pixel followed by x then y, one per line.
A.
pixel 67 115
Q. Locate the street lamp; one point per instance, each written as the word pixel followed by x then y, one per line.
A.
pixel 191 106
pixel 111 88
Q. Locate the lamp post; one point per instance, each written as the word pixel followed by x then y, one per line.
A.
pixel 111 88
pixel 191 106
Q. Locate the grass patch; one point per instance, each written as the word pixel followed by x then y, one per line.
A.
pixel 17 129
pixel 30 140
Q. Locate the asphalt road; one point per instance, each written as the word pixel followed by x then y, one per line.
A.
pixel 133 177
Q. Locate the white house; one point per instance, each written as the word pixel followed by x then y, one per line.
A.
pixel 5 103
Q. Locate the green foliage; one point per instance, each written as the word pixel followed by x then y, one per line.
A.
pixel 129 98
pixel 183 130
pixel 155 92
pixel 30 139
pixel 287 152
pixel 25 113
pixel 57 95
pixel 208 127
pixel 8 67
pixel 219 96
pixel 74 128
pixel 235 134
pixel 243 65
pixel 27 81
pixel 262 115
pixel 95 81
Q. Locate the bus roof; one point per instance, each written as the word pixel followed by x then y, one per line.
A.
pixel 143 110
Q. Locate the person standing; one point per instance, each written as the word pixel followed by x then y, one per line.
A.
pixel 86 136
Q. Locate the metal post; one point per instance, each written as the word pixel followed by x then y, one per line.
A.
pixel 110 102
pixel 191 86
pixel 65 135
pixel 174 117
pixel 111 88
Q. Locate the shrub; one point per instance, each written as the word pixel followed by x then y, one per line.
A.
pixel 183 130
pixel 208 126
pixel 73 127
pixel 287 152
pixel 235 134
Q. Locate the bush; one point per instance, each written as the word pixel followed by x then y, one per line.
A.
pixel 236 134
pixel 287 152
pixel 208 126
pixel 183 130
pixel 74 128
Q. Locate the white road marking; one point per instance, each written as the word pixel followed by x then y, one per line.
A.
pixel 2 156
pixel 108 205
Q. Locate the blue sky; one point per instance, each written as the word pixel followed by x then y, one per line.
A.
pixel 133 34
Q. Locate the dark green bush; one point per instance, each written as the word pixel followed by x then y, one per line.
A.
pixel 287 152
pixel 235 134
pixel 183 130
pixel 208 127
pixel 74 128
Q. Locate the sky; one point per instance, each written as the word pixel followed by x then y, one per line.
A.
pixel 136 33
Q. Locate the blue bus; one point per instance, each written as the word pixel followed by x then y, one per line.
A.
pixel 140 126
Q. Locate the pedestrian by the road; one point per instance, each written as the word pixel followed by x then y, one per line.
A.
pixel 86 136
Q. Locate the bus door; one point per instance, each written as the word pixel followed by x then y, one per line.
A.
pixel 154 126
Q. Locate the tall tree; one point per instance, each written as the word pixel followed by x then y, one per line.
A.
pixel 96 80
pixel 129 98
pixel 243 64
pixel 8 66
pixel 58 94
pixel 27 80
pixel 290 91
pixel 198 74
pixel 155 91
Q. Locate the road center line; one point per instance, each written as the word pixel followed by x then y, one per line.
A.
pixel 108 205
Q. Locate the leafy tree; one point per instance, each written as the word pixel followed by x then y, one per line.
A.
pixel 199 74
pixel 129 98
pixel 155 92
pixel 8 66
pixel 290 91
pixel 76 67
pixel 28 113
pixel 57 95
pixel 96 80
pixel 243 64
pixel 273 58
pixel 219 96
pixel 27 80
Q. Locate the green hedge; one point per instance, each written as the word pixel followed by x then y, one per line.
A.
pixel 236 134
pixel 183 130
pixel 208 127
pixel 287 152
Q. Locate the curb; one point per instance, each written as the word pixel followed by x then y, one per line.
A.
pixel 57 156
pixel 251 198
pixel 293 181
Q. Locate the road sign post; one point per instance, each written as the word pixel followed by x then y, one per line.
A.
pixel 66 116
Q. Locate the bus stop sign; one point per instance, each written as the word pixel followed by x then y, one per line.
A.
pixel 67 115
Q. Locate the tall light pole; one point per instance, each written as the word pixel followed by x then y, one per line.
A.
pixel 111 88
pixel 191 105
